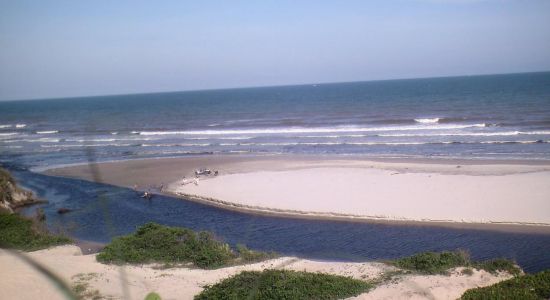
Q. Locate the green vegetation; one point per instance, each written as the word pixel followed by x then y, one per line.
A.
pixel 283 284
pixel 81 287
pixel 21 233
pixel 153 296
pixel 6 184
pixel 157 243
pixel 440 262
pixel 467 271
pixel 247 255
pixel 433 262
pixel 532 286
pixel 499 264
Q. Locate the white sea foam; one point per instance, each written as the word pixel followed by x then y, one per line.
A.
pixel 502 133
pixel 375 143
pixel 175 145
pixel 90 140
pixel 47 132
pixel 114 133
pixel 331 136
pixel 427 120
pixel 40 140
pixel 8 133
pixel 81 140
pixel 237 138
pixel 312 130
pixel 5 126
pixel 20 125
pixel 89 145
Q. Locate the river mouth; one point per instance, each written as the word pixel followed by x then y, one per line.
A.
pixel 101 212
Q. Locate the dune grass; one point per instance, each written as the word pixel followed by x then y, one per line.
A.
pixel 284 284
pixel 441 262
pixel 17 232
pixel 531 286
pixel 163 244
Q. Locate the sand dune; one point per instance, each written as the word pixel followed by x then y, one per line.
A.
pixel 134 282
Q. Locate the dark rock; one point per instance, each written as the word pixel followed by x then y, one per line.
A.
pixel 63 210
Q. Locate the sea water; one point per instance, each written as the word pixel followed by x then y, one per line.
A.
pixel 475 117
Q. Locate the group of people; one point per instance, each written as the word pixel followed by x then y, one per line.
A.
pixel 198 173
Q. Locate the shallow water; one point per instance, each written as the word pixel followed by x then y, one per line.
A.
pixel 104 211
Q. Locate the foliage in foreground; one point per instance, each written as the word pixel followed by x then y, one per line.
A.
pixel 284 284
pixel 157 243
pixel 440 262
pixel 21 233
pixel 532 286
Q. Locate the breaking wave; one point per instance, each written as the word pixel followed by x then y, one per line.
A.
pixel 427 120
pixel 47 132
pixel 312 130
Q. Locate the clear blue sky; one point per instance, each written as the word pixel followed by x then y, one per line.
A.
pixel 79 48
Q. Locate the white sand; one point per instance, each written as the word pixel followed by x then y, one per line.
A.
pixel 496 195
pixel 19 281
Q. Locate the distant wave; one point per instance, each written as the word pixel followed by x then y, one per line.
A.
pixel 331 136
pixel 503 133
pixel 5 126
pixel 81 140
pixel 237 138
pixel 378 143
pixel 175 145
pixel 427 120
pixel 8 133
pixel 20 125
pixel 312 130
pixel 47 132
pixel 40 140
pixel 89 145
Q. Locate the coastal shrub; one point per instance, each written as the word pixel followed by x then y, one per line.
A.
pixel 284 284
pixel 499 264
pixel 163 244
pixel 531 286
pixel 21 233
pixel 6 184
pixel 440 262
pixel 433 262
pixel 248 255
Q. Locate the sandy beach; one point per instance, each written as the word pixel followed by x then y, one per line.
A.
pixel 136 281
pixel 352 188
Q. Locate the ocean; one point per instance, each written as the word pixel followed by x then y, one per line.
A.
pixel 476 117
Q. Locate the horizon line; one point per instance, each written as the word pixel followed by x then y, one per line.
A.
pixel 268 86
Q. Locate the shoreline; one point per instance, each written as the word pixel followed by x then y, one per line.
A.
pixel 169 170
pixel 511 227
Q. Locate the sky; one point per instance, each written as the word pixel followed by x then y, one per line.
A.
pixel 73 48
